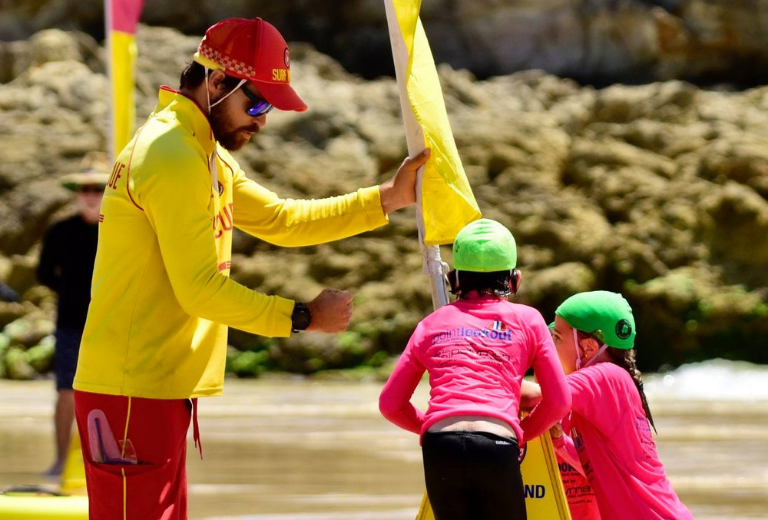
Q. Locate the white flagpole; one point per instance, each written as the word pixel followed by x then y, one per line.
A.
pixel 433 266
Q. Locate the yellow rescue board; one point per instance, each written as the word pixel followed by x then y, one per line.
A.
pixel 544 494
pixel 29 506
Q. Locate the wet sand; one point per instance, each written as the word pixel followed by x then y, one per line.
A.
pixel 280 449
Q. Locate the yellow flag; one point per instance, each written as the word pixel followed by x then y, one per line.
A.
pixel 122 16
pixel 447 202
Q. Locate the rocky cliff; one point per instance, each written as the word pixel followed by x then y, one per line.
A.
pixel 658 191
pixel 593 41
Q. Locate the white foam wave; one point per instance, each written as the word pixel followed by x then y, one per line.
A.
pixel 716 379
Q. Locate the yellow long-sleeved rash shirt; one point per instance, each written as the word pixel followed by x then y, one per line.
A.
pixel 162 298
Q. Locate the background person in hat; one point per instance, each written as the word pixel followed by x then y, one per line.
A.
pixel 156 333
pixel 477 350
pixel 66 266
pixel 610 423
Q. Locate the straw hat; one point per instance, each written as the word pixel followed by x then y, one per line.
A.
pixel 94 170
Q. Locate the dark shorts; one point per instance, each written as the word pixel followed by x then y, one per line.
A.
pixel 473 475
pixel 65 357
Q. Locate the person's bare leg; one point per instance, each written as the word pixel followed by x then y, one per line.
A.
pixel 64 416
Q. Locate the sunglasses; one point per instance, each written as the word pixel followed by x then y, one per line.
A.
pixel 91 189
pixel 260 106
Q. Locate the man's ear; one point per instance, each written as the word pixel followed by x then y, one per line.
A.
pixel 216 81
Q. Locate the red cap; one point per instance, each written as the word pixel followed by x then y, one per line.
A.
pixel 253 50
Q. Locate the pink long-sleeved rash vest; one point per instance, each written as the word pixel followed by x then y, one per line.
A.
pixel 612 436
pixel 476 352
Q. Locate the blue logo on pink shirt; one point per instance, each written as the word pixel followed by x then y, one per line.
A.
pixel 464 332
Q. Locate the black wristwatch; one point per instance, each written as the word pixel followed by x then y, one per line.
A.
pixel 301 317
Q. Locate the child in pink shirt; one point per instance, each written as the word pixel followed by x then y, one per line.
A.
pixel 578 491
pixel 610 424
pixel 477 350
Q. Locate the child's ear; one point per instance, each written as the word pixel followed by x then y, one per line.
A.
pixel 453 281
pixel 515 280
pixel 590 347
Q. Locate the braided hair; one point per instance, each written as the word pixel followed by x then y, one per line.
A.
pixel 626 360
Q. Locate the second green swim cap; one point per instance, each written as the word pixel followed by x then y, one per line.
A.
pixel 602 311
pixel 484 246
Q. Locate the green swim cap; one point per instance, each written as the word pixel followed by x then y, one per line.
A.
pixel 606 313
pixel 484 246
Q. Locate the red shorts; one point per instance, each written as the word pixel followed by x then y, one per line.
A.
pixel 154 489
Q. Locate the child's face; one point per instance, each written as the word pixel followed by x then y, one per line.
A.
pixel 562 335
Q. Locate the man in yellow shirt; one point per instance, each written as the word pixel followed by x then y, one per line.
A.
pixel 162 299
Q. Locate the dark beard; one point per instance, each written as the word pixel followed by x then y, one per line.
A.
pixel 229 139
